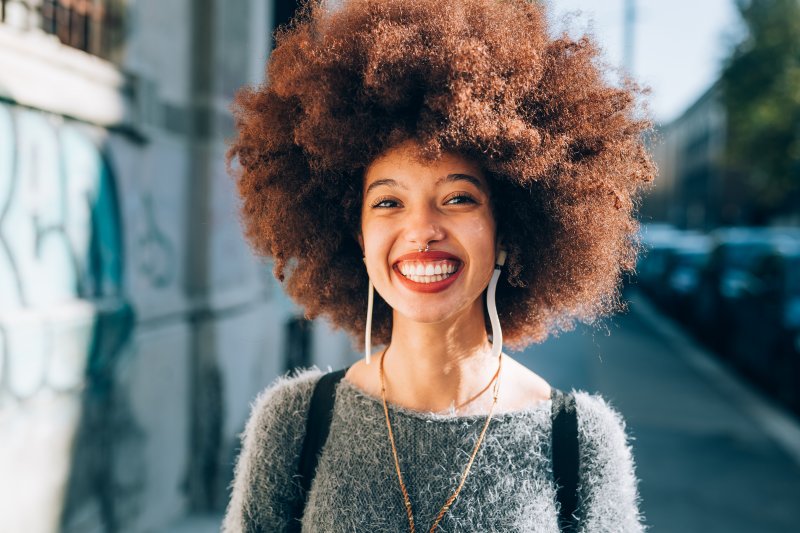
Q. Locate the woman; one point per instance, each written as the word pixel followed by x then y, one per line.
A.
pixel 441 164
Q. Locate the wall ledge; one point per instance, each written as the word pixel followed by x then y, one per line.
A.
pixel 39 72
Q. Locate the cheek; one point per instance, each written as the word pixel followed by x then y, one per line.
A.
pixel 481 233
pixel 377 240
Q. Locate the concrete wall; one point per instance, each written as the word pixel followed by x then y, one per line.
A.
pixel 135 325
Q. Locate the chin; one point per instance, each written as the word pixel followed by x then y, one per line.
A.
pixel 428 314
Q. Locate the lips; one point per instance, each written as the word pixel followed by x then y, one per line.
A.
pixel 427 272
pixel 435 255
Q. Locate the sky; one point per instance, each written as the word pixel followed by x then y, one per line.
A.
pixel 679 44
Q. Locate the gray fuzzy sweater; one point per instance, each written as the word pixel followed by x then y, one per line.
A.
pixel 510 487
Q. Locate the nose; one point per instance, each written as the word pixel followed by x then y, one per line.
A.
pixel 423 227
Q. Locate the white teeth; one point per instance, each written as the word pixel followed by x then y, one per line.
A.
pixel 427 279
pixel 427 272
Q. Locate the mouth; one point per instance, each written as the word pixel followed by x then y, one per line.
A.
pixel 428 272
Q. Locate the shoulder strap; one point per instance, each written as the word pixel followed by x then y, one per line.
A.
pixel 318 425
pixel 566 457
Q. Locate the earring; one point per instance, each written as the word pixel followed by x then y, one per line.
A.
pixel 368 333
pixel 497 332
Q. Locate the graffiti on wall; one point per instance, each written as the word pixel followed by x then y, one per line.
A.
pixel 157 258
pixel 60 254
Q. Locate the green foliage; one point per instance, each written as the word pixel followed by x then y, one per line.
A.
pixel 761 93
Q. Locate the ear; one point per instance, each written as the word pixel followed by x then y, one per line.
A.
pixel 360 240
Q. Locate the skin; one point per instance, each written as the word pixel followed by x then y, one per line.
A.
pixel 439 358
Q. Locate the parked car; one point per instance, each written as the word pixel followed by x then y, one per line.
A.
pixel 684 264
pixel 766 336
pixel 726 279
pixel 656 240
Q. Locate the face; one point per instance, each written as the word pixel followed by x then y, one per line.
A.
pixel 446 205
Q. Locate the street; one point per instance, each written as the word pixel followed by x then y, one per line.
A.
pixel 712 453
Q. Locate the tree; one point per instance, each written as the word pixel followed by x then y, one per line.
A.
pixel 761 93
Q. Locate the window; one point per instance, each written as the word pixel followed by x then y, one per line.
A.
pixel 94 26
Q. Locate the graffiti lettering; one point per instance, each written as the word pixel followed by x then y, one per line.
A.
pixel 60 253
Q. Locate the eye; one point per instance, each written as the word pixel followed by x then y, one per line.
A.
pixel 383 203
pixel 461 198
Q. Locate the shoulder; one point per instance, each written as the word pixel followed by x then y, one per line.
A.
pixel 599 422
pixel 604 437
pixel 264 486
pixel 287 395
pixel 609 486
pixel 278 414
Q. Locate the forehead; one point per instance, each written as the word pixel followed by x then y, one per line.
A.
pixel 403 164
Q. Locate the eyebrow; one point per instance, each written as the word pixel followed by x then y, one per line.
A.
pixel 465 177
pixel 389 182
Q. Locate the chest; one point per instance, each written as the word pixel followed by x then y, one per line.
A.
pixel 509 487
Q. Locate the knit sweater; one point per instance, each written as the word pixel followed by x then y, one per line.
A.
pixel 510 487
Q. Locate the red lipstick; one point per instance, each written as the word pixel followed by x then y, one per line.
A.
pixel 435 286
pixel 433 255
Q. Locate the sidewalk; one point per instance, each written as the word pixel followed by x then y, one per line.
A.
pixel 712 453
pixel 773 419
pixel 195 524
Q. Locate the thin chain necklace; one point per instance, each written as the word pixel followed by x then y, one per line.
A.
pixel 452 498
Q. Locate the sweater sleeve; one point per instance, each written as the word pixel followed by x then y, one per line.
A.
pixel 264 489
pixel 608 492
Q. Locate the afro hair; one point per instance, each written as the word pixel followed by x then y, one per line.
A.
pixel 562 146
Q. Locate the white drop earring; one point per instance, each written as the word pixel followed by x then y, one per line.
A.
pixel 368 333
pixel 491 305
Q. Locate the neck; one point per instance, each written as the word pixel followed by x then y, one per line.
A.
pixel 434 367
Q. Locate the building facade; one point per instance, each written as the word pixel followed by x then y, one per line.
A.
pixel 695 189
pixel 135 324
pixel 692 191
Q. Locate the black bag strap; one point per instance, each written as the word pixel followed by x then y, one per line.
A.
pixel 318 425
pixel 566 457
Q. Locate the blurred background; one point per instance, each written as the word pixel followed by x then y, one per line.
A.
pixel 136 326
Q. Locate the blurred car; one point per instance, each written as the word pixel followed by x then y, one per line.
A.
pixel 726 279
pixel 683 268
pixel 652 266
pixel 656 240
pixel 766 336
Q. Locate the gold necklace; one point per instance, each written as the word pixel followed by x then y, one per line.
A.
pixel 452 498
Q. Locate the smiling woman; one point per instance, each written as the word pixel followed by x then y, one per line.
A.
pixel 470 183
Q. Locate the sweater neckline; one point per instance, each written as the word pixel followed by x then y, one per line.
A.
pixel 429 416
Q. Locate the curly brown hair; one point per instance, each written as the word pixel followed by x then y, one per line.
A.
pixel 562 147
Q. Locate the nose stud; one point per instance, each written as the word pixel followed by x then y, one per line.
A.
pixel 427 247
